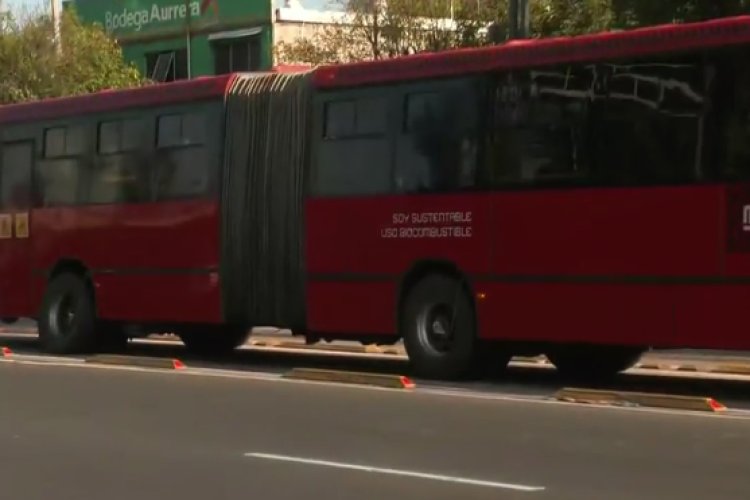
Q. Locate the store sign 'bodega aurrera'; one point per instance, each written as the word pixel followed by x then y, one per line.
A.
pixel 136 19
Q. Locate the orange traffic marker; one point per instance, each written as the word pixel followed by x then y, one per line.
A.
pixel 407 383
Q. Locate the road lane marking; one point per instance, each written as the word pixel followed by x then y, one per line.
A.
pixel 396 472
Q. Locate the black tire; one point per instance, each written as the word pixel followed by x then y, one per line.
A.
pixel 9 321
pixel 439 329
pixel 593 363
pixel 67 320
pixel 213 341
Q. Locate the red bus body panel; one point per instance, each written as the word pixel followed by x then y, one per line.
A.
pixel 151 262
pixel 646 266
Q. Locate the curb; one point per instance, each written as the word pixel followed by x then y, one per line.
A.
pixel 732 369
pixel 10 329
pixel 726 368
pixel 640 399
pixel 359 378
pixel 143 362
pixel 365 349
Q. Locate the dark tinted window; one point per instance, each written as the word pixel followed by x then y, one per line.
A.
pixel 539 134
pixel 194 128
pixel 242 54
pixel 182 161
pixel 181 130
pixel 120 173
pixel 58 181
pixel 355 117
pixel 120 136
pixel 120 178
pixel 340 119
pixel 169 132
pixel 109 137
pixel 64 141
pixel 421 107
pixel 437 145
pixel 54 142
pixel 75 141
pixel 15 175
pixel 727 128
pixel 182 173
pixel 167 66
pixel 647 122
pixel 355 155
pixel 132 135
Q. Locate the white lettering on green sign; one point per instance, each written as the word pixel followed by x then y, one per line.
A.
pixel 136 19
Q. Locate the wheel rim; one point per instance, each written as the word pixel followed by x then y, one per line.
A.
pixel 62 316
pixel 435 328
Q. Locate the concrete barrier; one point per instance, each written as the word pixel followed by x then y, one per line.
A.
pixel 358 378
pixel 640 399
pixel 136 361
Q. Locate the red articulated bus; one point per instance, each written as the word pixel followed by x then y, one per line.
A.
pixel 587 198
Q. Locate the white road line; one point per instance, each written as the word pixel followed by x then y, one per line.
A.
pixel 396 472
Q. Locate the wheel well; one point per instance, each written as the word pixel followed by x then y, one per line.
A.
pixel 424 268
pixel 72 266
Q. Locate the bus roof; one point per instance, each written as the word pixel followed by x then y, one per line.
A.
pixel 535 52
pixel 205 87
pixel 114 100
pixel 515 54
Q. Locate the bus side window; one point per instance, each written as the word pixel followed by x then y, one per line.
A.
pixel 733 109
pixel 15 174
pixel 648 122
pixel 59 171
pixel 439 150
pixel 539 130
pixel 353 157
pixel 120 173
pixel 182 169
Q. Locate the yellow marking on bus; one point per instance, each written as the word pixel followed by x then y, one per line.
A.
pixel 22 225
pixel 6 226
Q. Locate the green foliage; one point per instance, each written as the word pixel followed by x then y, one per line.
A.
pixel 379 28
pixel 31 68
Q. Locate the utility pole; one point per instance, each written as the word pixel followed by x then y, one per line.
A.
pixel 519 19
pixel 188 41
pixel 56 21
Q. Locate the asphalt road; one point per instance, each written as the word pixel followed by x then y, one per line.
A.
pixel 524 381
pixel 89 433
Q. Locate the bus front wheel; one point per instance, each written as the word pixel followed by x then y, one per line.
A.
pixel 439 328
pixel 67 321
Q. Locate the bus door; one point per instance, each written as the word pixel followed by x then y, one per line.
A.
pixel 15 208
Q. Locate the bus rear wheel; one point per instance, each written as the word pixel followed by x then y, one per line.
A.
pixel 67 320
pixel 212 340
pixel 592 363
pixel 439 329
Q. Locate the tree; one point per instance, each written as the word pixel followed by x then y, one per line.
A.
pixel 376 29
pixel 571 17
pixel 31 68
